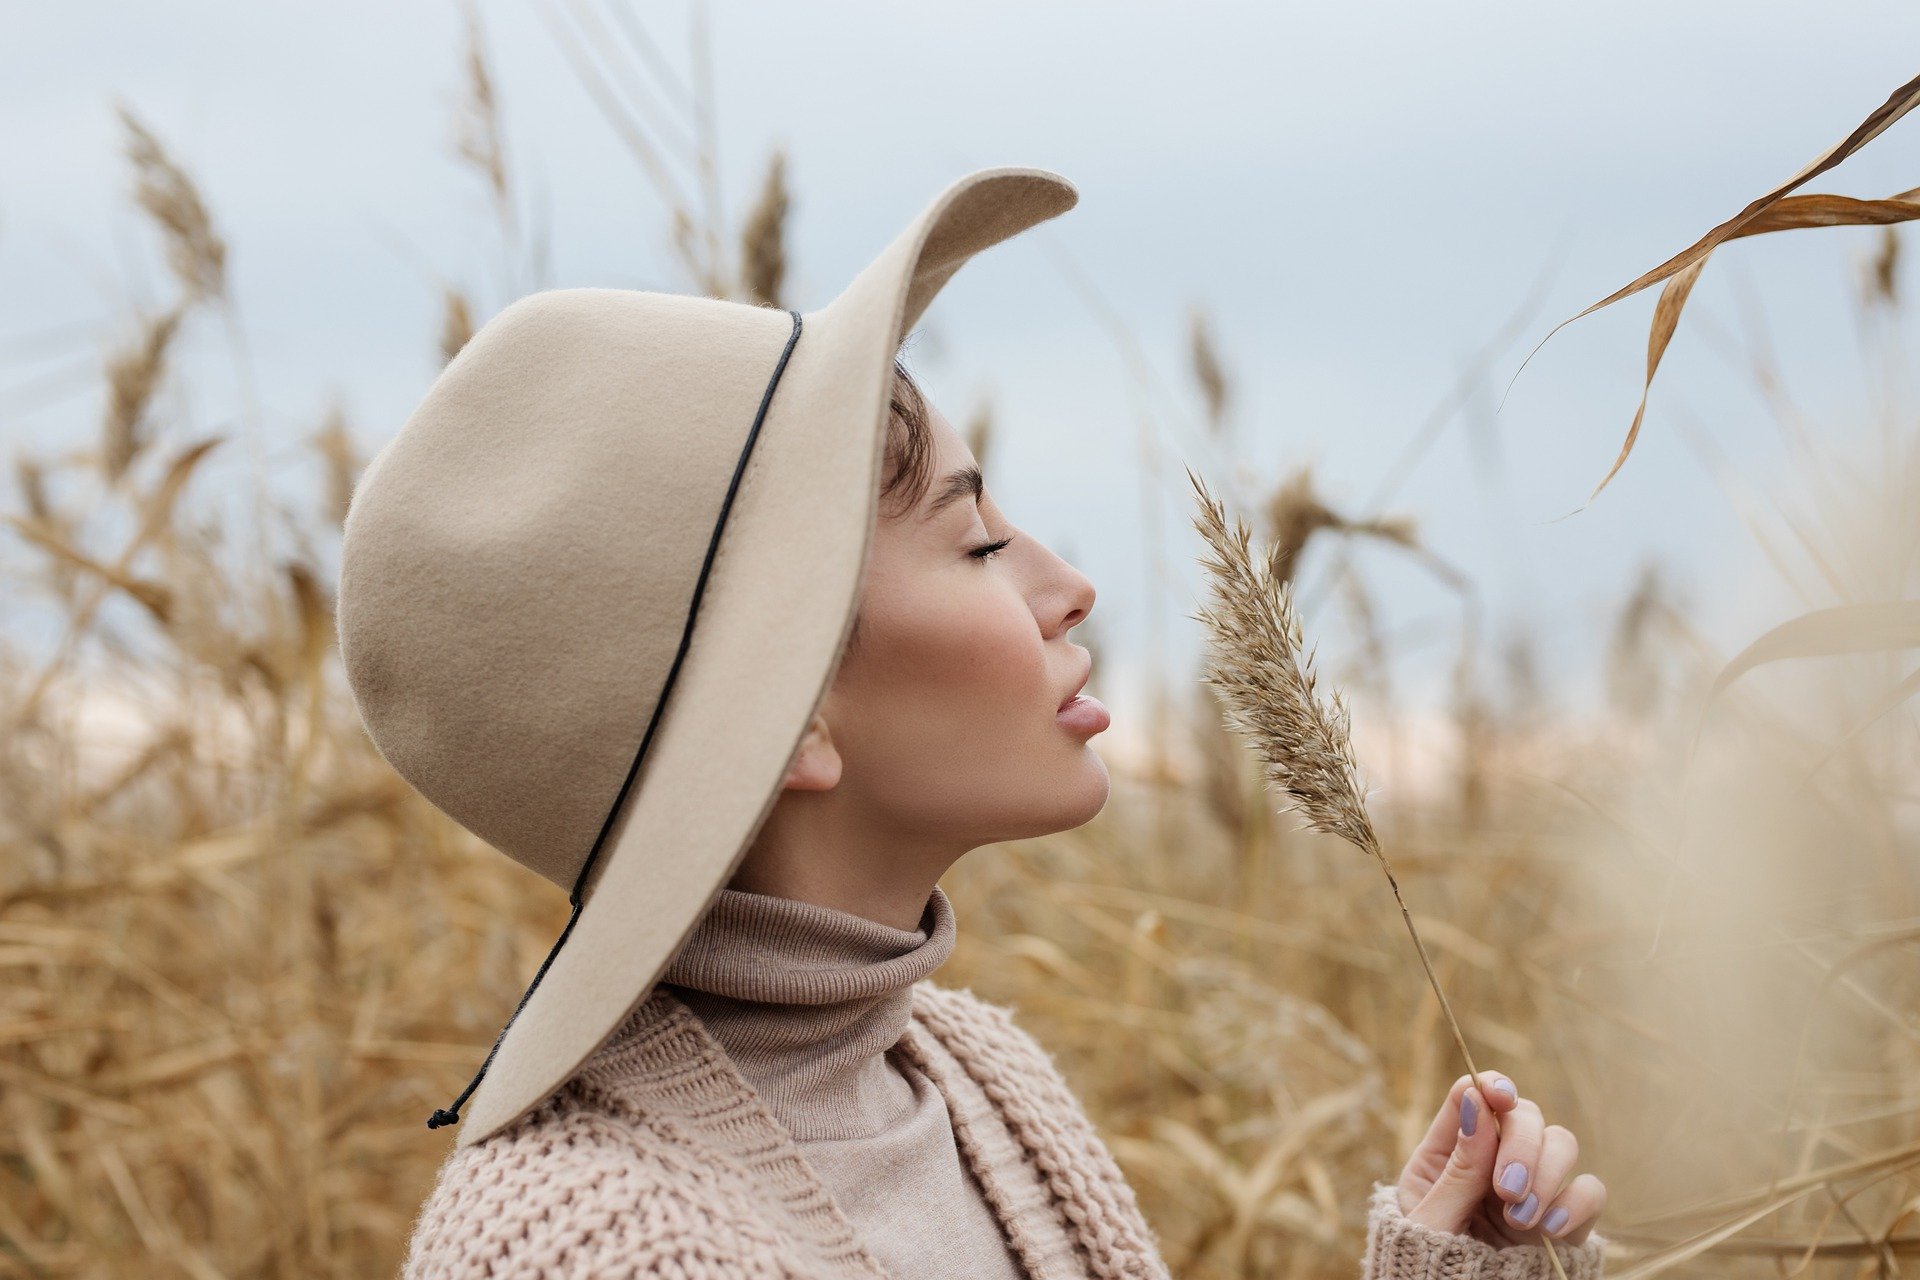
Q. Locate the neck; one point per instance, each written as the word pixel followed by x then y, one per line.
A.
pixel 807 852
pixel 807 999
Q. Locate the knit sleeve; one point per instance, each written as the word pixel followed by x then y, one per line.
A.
pixel 1398 1249
pixel 565 1194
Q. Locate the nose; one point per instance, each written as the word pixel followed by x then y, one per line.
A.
pixel 1076 599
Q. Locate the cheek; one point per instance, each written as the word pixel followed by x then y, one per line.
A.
pixel 954 661
pixel 977 646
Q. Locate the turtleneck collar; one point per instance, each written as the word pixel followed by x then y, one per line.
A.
pixel 808 999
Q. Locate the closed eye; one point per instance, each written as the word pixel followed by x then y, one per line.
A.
pixel 990 550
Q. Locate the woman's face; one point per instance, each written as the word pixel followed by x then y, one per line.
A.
pixel 943 714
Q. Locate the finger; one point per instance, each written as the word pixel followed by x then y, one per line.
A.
pixel 1581 1202
pixel 1559 1149
pixel 1501 1092
pixel 1457 1192
pixel 1520 1138
pixel 1495 1090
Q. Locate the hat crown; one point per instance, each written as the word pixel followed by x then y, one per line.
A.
pixel 518 563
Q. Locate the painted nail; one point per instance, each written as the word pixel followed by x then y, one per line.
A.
pixel 1469 1114
pixel 1524 1211
pixel 1556 1220
pixel 1514 1177
pixel 1505 1089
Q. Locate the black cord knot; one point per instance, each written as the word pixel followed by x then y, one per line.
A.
pixel 442 1117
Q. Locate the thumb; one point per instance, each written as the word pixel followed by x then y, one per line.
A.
pixel 1467 1177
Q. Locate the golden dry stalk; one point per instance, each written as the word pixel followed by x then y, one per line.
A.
pixel 195 250
pixel 1260 664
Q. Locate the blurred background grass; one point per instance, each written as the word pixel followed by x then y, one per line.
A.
pixel 242 960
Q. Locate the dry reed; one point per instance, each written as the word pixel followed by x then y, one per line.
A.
pixel 238 956
pixel 1259 664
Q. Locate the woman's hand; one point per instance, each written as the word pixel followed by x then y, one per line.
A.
pixel 1504 1187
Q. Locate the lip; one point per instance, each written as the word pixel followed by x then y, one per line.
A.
pixel 1084 714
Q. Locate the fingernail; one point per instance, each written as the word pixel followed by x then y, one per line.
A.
pixel 1505 1089
pixel 1524 1211
pixel 1469 1114
pixel 1514 1177
pixel 1556 1220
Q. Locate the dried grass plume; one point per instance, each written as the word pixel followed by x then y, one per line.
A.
pixel 1259 663
pixel 1265 677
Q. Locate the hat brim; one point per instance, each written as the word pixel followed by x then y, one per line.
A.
pixel 773 619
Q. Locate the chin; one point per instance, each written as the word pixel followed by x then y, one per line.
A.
pixel 1048 798
pixel 1084 793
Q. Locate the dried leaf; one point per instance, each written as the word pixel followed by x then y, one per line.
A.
pixel 1902 101
pixel 1666 315
pixel 155 597
pixel 156 510
pixel 1889 700
pixel 1821 209
pixel 1770 212
pixel 1847 628
pixel 1818 210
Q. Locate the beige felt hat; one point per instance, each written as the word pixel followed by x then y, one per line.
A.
pixel 524 565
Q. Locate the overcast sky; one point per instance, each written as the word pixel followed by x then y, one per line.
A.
pixel 1360 195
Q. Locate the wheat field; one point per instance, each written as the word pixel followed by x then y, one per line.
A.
pixel 243 960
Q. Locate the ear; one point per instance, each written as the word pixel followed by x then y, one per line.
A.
pixel 816 764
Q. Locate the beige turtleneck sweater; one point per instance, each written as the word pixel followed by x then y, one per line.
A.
pixel 810 1002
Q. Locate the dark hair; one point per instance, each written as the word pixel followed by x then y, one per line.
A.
pixel 909 458
pixel 909 441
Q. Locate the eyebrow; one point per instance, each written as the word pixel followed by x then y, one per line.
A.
pixel 964 483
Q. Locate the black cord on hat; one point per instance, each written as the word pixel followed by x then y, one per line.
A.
pixel 451 1115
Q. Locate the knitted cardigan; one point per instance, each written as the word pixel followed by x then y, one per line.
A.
pixel 657 1158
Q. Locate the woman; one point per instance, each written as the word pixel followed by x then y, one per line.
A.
pixel 733 1062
